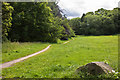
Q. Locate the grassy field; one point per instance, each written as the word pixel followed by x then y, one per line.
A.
pixel 61 60
pixel 15 50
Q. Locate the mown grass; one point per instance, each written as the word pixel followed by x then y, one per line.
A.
pixel 15 50
pixel 61 60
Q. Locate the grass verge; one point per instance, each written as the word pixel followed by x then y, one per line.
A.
pixel 15 50
pixel 61 60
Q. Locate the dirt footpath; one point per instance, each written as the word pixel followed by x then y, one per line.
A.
pixel 8 64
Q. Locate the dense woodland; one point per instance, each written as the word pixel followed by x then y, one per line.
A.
pixel 100 22
pixel 42 21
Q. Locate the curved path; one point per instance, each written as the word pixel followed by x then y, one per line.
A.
pixel 8 64
pixel 66 42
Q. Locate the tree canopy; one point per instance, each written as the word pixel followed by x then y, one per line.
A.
pixel 100 22
pixel 34 21
pixel 43 21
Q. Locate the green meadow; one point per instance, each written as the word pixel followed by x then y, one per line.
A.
pixel 15 50
pixel 60 60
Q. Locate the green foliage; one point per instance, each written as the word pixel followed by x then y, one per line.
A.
pixel 75 24
pixel 34 21
pixel 102 22
pixel 6 19
pixel 68 32
pixel 55 9
pixel 115 16
pixel 63 27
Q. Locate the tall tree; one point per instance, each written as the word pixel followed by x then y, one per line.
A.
pixel 66 30
pixel 32 21
pixel 6 19
pixel 75 24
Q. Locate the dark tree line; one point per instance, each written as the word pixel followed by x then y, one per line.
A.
pixel 42 21
pixel 100 22
pixel 35 21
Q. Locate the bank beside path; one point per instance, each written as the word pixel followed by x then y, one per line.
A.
pixel 8 64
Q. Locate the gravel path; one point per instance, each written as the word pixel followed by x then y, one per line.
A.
pixel 66 42
pixel 8 64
